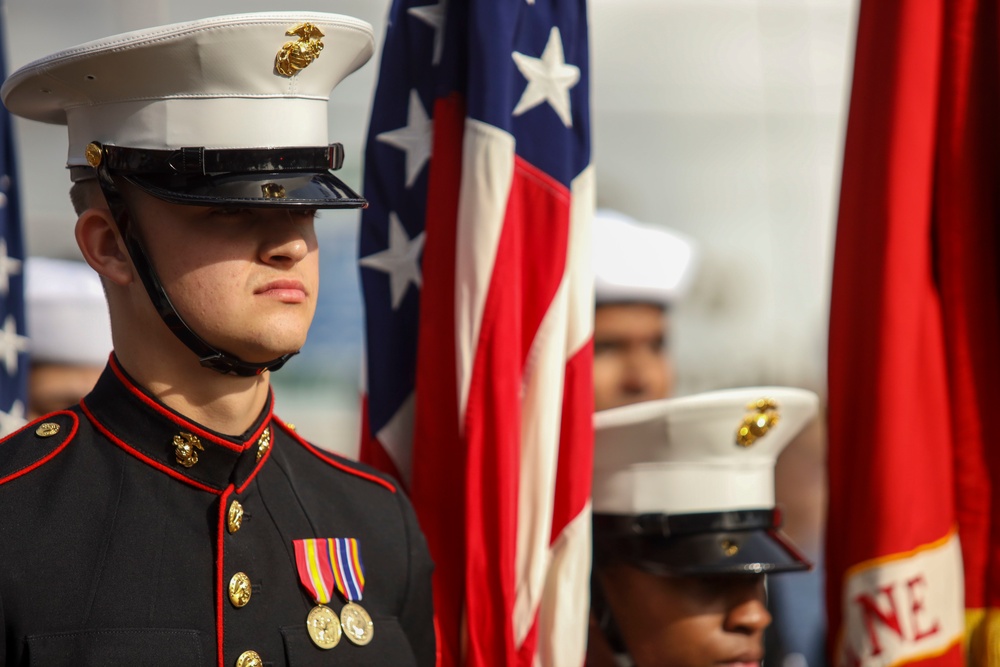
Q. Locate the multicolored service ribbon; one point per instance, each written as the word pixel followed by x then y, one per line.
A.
pixel 347 568
pixel 326 565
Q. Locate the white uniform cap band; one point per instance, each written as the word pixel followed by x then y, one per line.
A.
pixel 144 89
pixel 634 262
pixel 680 456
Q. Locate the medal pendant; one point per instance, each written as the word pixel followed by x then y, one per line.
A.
pixel 323 626
pixel 357 624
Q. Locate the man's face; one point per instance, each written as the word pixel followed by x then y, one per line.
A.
pixel 53 387
pixel 688 621
pixel 631 358
pixel 245 280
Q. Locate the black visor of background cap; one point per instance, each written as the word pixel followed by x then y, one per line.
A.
pixel 231 110
pixel 686 485
pixel 640 263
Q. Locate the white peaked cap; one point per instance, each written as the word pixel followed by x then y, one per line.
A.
pixel 67 315
pixel 635 262
pixel 681 455
pixel 210 83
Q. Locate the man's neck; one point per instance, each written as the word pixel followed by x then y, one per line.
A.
pixel 227 404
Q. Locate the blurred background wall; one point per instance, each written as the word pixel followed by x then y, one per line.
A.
pixel 721 118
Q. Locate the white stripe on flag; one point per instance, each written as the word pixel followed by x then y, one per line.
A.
pixel 397 439
pixel 579 267
pixel 487 173
pixel 541 417
pixel 565 607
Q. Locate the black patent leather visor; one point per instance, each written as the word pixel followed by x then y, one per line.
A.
pixel 747 542
pixel 290 177
pixel 276 189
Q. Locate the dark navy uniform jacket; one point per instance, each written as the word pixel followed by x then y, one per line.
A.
pixel 113 553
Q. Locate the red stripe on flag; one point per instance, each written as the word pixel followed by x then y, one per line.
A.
pixel 539 210
pixel 576 440
pixel 438 452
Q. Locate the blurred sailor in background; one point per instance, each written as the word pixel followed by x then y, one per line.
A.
pixel 640 272
pixel 686 528
pixel 69 332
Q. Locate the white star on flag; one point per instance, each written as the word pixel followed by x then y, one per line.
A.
pixel 401 260
pixel 433 15
pixel 549 79
pixel 13 420
pixel 9 266
pixel 414 139
pixel 11 343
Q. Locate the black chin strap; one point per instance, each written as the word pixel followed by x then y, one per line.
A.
pixel 606 622
pixel 209 356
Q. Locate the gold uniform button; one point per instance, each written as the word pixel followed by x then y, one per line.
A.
pixel 235 516
pixel 239 590
pixel 263 443
pixel 47 430
pixel 249 659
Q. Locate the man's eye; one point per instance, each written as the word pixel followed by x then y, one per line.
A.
pixel 606 347
pixel 231 212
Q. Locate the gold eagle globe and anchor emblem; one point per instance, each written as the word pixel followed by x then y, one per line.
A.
pixel 297 55
pixel 756 425
pixel 186 448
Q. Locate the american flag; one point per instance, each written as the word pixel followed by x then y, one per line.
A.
pixel 13 341
pixel 475 267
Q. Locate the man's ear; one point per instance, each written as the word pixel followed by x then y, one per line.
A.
pixel 102 245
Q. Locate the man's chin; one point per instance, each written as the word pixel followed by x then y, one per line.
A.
pixel 260 354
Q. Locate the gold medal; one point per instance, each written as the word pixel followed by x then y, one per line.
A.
pixel 357 624
pixel 323 626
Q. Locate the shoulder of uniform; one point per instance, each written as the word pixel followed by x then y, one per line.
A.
pixel 36 443
pixel 341 463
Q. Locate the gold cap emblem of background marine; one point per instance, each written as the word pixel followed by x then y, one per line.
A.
pixel 297 55
pixel 757 424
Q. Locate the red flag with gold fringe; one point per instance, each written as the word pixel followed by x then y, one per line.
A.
pixel 912 553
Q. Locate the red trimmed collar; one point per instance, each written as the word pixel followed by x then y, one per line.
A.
pixel 149 430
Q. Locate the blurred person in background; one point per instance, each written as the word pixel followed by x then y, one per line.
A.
pixel 686 528
pixel 640 272
pixel 69 332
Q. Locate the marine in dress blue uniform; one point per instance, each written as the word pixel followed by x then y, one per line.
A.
pixel 686 527
pixel 131 533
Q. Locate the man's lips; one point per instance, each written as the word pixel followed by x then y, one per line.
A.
pixel 743 660
pixel 287 291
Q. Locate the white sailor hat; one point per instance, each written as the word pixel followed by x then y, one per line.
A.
pixel 66 313
pixel 638 263
pixel 225 110
pixel 686 485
